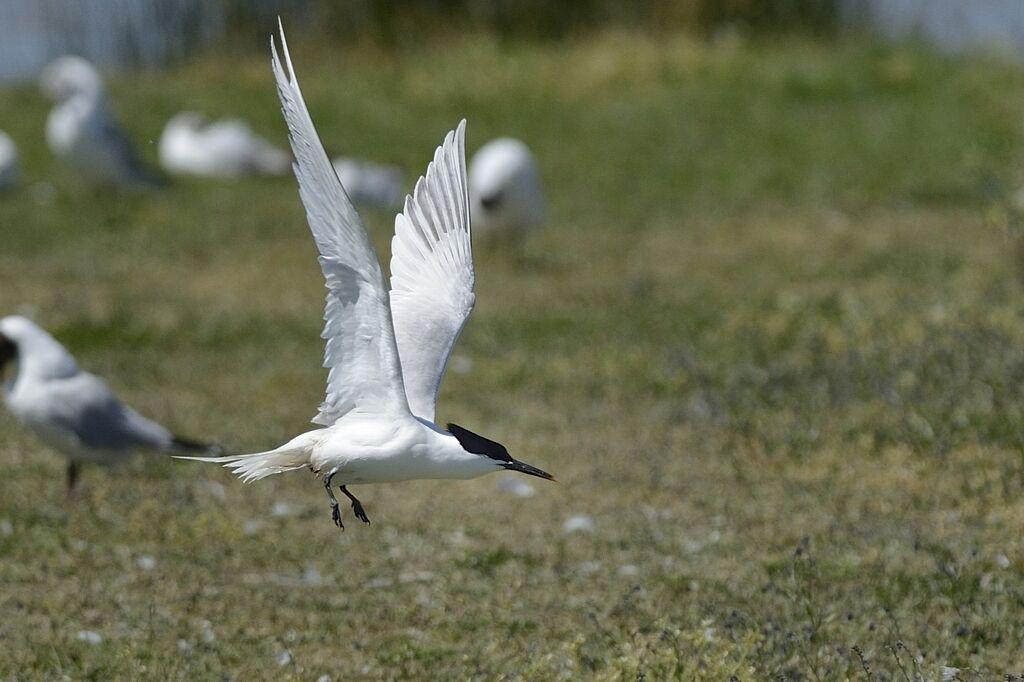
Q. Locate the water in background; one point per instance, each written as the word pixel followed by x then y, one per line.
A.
pixel 148 33
pixel 953 26
pixel 108 32
pixel 117 33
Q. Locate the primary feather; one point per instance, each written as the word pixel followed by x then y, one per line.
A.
pixel 432 274
pixel 364 373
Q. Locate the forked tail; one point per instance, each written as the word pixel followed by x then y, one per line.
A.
pixel 261 464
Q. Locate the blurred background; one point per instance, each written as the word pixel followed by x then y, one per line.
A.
pixel 768 336
pixel 152 33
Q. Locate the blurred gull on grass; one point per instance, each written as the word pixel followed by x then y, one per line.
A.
pixel 227 148
pixel 370 184
pixel 72 411
pixel 82 131
pixel 505 191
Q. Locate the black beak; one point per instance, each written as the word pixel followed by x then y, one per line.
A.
pixel 8 351
pixel 524 468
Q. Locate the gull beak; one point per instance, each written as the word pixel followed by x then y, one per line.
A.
pixel 525 468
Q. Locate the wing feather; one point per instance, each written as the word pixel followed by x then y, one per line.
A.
pixel 361 356
pixel 84 407
pixel 432 274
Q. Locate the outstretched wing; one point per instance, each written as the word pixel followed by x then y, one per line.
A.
pixel 365 374
pixel 432 272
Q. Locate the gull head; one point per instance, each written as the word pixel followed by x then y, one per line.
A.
pixel 15 328
pixel 478 445
pixel 36 352
pixel 14 331
pixel 505 188
pixel 66 77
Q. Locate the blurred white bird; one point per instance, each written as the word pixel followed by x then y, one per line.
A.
pixel 505 190
pixel 10 170
pixel 370 184
pixel 70 410
pixel 225 149
pixel 386 352
pixel 82 131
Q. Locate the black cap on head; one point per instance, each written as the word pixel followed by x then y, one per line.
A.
pixel 8 350
pixel 479 445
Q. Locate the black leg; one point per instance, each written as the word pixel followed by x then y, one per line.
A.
pixel 357 506
pixel 335 509
pixel 72 475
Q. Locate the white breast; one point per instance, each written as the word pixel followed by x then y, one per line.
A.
pixel 372 450
pixel 63 127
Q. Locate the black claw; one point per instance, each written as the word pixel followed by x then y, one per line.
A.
pixel 357 506
pixel 357 509
pixel 335 510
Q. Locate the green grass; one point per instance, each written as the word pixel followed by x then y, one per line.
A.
pixel 771 341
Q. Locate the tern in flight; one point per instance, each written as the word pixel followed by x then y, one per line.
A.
pixel 386 351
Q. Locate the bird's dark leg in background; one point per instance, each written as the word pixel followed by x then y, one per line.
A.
pixel 357 506
pixel 72 475
pixel 335 510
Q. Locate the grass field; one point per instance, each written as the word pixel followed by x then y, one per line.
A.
pixel 771 343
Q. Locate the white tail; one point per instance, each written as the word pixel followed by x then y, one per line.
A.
pixel 260 464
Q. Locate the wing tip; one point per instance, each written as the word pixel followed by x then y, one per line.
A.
pixel 284 77
pixel 456 137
